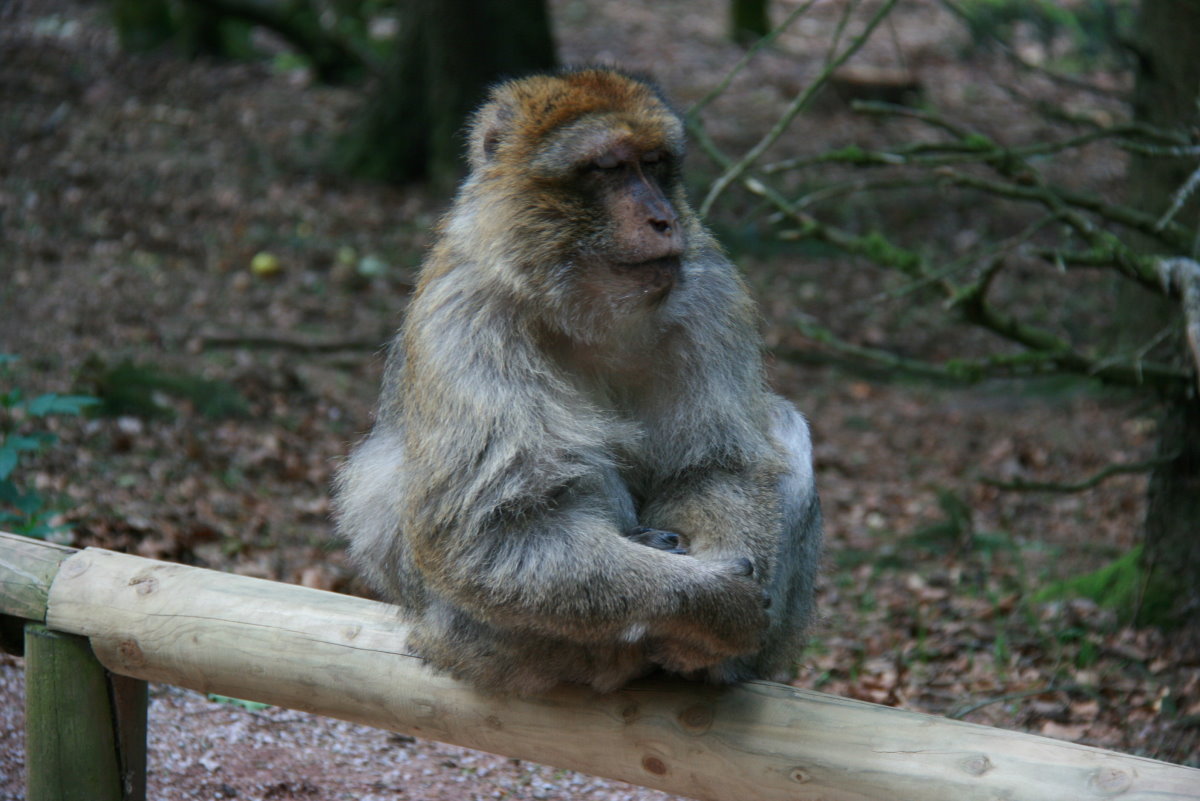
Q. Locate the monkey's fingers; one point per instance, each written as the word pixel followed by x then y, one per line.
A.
pixel 656 538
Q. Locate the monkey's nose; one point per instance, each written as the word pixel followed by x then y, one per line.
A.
pixel 662 219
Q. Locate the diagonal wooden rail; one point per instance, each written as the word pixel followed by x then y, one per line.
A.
pixel 345 657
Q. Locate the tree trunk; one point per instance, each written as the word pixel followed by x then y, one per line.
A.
pixel 206 33
pixel 142 24
pixel 1171 556
pixel 1168 87
pixel 1166 44
pixel 749 20
pixel 447 54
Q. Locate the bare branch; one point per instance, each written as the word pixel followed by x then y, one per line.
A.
pixel 694 112
pixel 737 169
pixel 962 711
pixel 1015 58
pixel 292 343
pixel 1179 198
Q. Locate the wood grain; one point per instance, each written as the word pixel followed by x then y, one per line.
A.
pixel 27 566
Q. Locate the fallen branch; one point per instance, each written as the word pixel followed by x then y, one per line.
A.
pixel 333 59
pixel 962 711
pixel 292 343
pixel 346 657
pixel 1021 485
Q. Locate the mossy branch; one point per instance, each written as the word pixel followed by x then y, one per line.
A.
pixel 1024 183
pixel 959 371
pixel 1046 353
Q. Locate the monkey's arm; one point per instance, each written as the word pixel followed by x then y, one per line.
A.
pixel 566 569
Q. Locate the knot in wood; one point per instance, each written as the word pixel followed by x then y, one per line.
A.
pixel 800 776
pixel 494 722
pixel 75 565
pixel 130 653
pixel 654 765
pixel 144 584
pixel 630 712
pixel 1110 781
pixel 976 764
pixel 696 719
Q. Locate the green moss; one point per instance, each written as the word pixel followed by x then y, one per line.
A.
pixel 1120 586
pixel 876 247
pixel 140 390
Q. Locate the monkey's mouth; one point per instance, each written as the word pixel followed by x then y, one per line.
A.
pixel 655 278
pixel 669 265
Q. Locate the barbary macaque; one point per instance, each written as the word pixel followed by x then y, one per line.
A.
pixel 577 473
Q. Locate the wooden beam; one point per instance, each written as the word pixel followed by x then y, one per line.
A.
pixel 27 566
pixel 345 657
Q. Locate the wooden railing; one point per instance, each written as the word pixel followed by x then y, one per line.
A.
pixel 345 657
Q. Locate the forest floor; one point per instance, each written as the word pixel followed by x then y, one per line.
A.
pixel 135 192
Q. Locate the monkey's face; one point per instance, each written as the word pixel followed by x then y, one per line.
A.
pixel 586 165
pixel 629 232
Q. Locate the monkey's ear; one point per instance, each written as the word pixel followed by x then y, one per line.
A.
pixel 492 125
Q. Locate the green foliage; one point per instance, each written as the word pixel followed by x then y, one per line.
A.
pixel 25 511
pixel 253 706
pixel 143 390
pixel 956 531
pixel 1094 29
pixel 1119 586
pixel 146 25
pixel 203 32
pixel 879 249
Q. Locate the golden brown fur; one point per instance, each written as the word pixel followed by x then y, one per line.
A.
pixel 580 362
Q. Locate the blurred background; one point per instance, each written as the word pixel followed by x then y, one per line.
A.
pixel 971 225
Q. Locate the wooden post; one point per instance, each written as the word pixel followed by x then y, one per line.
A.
pixel 130 702
pixel 85 728
pixel 70 745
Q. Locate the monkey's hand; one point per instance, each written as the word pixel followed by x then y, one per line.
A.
pixel 729 619
pixel 658 539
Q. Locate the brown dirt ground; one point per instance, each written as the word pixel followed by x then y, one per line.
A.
pixel 135 190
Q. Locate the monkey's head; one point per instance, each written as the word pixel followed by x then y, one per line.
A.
pixel 584 167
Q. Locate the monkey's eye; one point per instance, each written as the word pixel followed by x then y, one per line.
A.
pixel 653 157
pixel 606 162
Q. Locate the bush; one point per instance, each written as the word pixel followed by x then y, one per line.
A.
pixel 27 511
